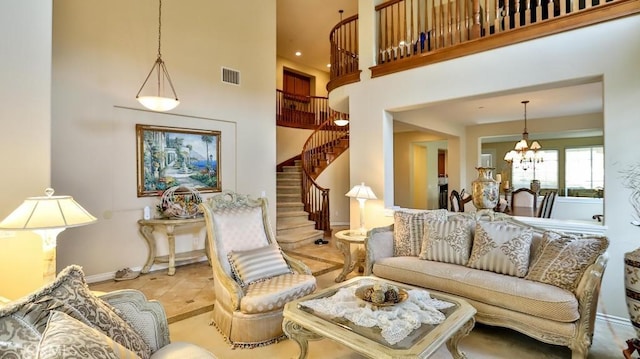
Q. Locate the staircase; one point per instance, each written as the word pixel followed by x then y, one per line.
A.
pixel 293 227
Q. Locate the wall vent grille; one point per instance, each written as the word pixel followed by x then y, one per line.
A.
pixel 230 76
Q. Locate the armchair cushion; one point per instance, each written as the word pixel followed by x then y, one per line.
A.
pixel 563 258
pixel 274 293
pixel 257 264
pixel 85 342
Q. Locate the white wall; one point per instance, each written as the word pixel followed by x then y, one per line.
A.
pixel 576 54
pixel 102 52
pixel 25 90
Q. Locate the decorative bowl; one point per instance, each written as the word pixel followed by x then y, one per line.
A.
pixel 364 293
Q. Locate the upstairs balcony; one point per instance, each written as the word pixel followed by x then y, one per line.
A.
pixel 414 33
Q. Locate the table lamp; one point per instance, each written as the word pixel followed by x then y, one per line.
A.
pixel 47 216
pixel 362 193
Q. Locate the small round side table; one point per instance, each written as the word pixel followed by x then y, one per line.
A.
pixel 345 239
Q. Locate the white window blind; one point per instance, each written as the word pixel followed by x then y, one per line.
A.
pixel 584 167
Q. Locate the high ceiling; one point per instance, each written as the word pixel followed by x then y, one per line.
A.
pixel 304 25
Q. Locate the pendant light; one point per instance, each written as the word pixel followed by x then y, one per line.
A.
pixel 523 153
pixel 158 102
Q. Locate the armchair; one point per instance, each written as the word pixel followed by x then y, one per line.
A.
pixel 252 278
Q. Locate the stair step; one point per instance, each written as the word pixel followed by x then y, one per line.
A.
pixel 288 228
pixel 291 168
pixel 289 175
pixel 287 197
pixel 289 207
pixel 288 190
pixel 288 182
pixel 295 240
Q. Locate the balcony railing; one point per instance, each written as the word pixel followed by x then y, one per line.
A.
pixel 414 33
pixel 301 111
pixel 343 40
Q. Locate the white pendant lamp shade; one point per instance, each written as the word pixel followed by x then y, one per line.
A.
pixel 154 98
pixel 157 103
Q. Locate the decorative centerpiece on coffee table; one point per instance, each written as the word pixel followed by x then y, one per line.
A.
pixel 382 294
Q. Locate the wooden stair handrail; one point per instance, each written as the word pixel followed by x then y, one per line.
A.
pixel 315 197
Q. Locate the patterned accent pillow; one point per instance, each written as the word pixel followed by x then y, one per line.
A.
pixel 85 342
pixel 257 264
pixel 502 248
pixel 408 229
pixel 447 241
pixel 71 290
pixel 564 258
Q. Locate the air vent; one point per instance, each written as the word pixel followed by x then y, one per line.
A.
pixel 230 76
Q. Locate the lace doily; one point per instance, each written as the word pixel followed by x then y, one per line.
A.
pixel 396 322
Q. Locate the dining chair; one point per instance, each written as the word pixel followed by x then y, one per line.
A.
pixel 546 205
pixel 526 198
pixel 456 203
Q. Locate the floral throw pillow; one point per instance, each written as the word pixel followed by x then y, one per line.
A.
pixel 564 258
pixel 65 337
pixel 408 229
pixel 447 241
pixel 502 248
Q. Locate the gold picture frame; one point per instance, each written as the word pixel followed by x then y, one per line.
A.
pixel 172 156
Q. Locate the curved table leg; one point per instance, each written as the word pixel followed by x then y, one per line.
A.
pixel 349 264
pixel 300 335
pixel 452 342
pixel 147 234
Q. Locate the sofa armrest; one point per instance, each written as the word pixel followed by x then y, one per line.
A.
pixel 378 245
pixel 147 317
pixel 587 293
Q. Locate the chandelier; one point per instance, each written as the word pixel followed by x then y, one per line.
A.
pixel 157 101
pixel 525 155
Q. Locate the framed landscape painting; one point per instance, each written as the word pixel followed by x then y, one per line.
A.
pixel 171 156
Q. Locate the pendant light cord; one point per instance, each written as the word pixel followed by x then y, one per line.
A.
pixel 159 26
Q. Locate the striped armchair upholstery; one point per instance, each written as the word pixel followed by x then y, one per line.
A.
pixel 253 279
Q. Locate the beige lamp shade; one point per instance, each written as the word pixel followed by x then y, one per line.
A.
pixel 361 192
pixel 47 216
pixel 47 212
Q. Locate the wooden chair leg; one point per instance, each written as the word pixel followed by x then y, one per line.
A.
pixel 632 346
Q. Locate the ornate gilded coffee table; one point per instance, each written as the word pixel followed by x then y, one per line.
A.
pixel 303 324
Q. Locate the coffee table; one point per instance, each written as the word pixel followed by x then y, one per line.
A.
pixel 302 324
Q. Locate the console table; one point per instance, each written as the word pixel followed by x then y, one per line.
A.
pixel 146 229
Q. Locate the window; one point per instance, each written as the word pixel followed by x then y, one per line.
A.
pixel 584 171
pixel 546 171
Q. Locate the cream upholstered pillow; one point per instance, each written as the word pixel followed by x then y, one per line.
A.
pixel 257 264
pixel 564 258
pixel 70 293
pixel 65 337
pixel 408 229
pixel 447 241
pixel 501 247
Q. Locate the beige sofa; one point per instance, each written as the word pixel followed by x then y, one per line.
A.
pixel 64 319
pixel 546 312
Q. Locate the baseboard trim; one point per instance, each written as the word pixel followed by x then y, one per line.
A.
pixel 613 319
pixel 103 277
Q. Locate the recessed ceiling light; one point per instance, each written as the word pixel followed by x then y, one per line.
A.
pixel 298 53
